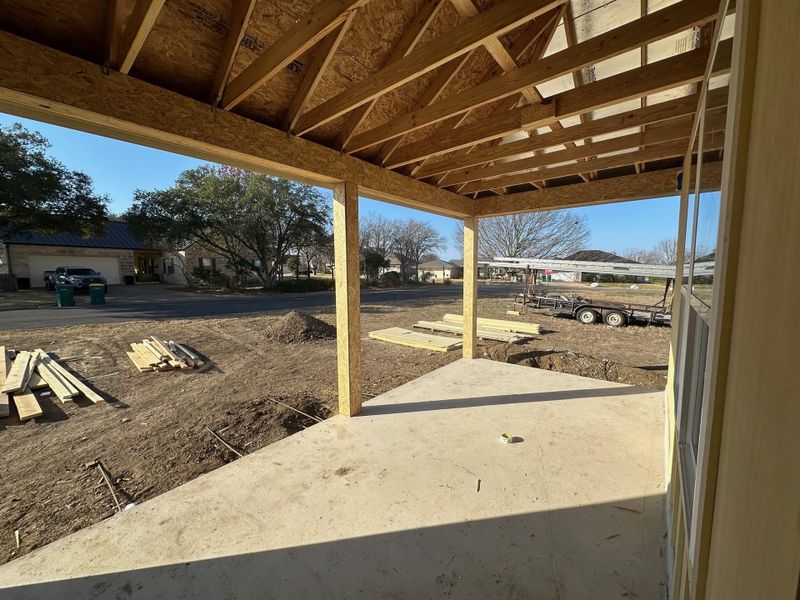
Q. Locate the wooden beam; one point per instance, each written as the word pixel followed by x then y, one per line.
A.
pixel 662 111
pixel 640 186
pixel 674 129
pixel 5 367
pixel 523 118
pixel 653 27
pixel 499 19
pixel 40 83
pixel 407 42
pixel 115 23
pixel 299 38
pixel 240 17
pixel 144 16
pixel 658 152
pixel 470 334
pixel 322 58
pixel 348 297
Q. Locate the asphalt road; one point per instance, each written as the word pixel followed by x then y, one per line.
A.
pixel 155 303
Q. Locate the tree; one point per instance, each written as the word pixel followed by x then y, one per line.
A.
pixel 411 240
pixel 251 219
pixel 374 261
pixel 550 234
pixel 665 252
pixel 38 193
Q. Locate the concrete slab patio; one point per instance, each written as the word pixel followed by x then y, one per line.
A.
pixel 415 498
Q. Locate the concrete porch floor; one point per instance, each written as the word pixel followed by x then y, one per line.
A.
pixel 388 504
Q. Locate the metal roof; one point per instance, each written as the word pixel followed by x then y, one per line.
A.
pixel 117 235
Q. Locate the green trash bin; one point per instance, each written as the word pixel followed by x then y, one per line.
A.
pixel 65 295
pixel 97 293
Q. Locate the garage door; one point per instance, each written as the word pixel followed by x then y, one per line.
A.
pixel 107 265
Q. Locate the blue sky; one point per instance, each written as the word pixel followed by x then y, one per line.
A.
pixel 118 169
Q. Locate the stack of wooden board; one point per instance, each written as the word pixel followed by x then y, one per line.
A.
pixel 161 355
pixel 406 337
pixel 24 373
pixel 498 324
pixel 483 333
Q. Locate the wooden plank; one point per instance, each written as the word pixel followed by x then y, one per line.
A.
pixel 322 58
pixel 408 41
pixel 523 118
pixel 654 113
pixel 651 28
pixel 163 347
pixel 84 389
pixel 62 388
pixel 27 405
pixel 347 273
pixel 458 328
pixel 671 149
pixel 140 363
pixel 499 19
pixel 299 38
pixel 194 358
pixel 20 372
pixel 5 367
pixel 639 186
pixel 78 95
pixel 144 16
pixel 499 324
pixel 414 339
pixel 240 17
pixel 36 382
pixel 470 291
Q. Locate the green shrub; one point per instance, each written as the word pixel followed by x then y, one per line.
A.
pixel 209 278
pixel 391 278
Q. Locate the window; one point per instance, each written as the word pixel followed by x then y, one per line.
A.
pixel 207 263
pixel 168 266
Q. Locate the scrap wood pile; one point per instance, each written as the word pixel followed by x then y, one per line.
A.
pixel 24 374
pixel 161 355
pixel 500 330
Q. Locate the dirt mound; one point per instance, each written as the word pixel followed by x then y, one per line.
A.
pixel 298 326
pixel 573 363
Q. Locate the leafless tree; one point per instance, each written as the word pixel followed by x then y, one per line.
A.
pixel 551 234
pixel 376 233
pixel 665 252
pixel 411 240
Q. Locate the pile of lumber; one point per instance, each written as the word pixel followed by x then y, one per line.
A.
pixel 482 333
pixel 161 355
pixel 414 339
pixel 24 374
pixel 498 324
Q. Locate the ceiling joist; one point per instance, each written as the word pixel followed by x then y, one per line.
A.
pixel 131 39
pixel 653 27
pixel 240 16
pixel 499 19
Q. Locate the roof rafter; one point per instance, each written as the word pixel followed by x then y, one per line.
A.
pixel 686 105
pixel 322 58
pixel 138 27
pixel 240 16
pixel 655 26
pixel 407 42
pixel 713 141
pixel 299 38
pixel 498 20
pixel 666 74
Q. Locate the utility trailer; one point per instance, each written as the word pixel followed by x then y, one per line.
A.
pixel 615 314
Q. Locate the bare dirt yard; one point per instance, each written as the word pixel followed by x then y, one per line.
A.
pixel 151 434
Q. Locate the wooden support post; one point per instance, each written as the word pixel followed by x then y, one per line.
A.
pixel 470 287
pixel 348 284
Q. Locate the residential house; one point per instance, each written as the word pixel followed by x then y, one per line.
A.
pixel 436 271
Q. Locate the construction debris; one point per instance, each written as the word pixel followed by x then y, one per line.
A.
pixel 160 355
pixel 99 464
pixel 498 324
pixel 297 326
pixel 32 372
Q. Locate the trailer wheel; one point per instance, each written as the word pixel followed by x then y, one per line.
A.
pixel 614 318
pixel 587 316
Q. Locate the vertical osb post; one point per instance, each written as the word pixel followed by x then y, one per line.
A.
pixel 346 272
pixel 470 287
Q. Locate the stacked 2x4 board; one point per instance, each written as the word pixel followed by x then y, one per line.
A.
pixel 160 355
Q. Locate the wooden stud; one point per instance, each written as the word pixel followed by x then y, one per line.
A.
pixel 307 32
pixel 499 19
pixel 20 372
pixel 139 24
pixel 73 380
pixel 653 27
pixel 240 17
pixel 408 41
pixel 470 288
pixel 415 339
pixel 114 27
pixel 60 386
pixel 27 405
pixel 80 96
pixel 5 366
pixel 348 297
pixel 648 184
pixel 322 58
